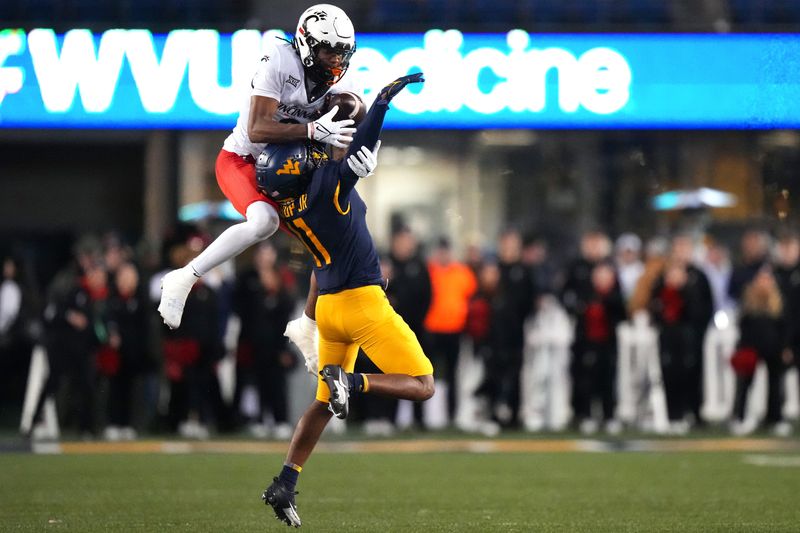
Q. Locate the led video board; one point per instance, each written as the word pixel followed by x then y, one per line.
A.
pixel 195 78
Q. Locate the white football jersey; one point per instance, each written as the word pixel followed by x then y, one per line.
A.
pixel 280 76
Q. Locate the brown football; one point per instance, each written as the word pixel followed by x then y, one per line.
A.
pixel 350 106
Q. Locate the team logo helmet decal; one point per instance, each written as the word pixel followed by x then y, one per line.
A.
pixel 284 170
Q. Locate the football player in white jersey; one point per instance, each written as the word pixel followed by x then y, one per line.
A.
pixel 287 92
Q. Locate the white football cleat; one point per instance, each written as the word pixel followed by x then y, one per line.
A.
pixel 307 341
pixel 175 288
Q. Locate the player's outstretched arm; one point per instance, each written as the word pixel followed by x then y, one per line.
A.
pixel 369 130
pixel 394 88
pixel 263 128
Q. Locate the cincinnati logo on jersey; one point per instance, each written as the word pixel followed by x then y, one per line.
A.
pixel 294 111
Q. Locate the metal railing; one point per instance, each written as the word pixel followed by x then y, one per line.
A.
pixel 641 401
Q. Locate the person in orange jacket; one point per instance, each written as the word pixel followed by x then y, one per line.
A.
pixel 453 284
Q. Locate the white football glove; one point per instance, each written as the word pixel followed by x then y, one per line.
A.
pixel 307 341
pixel 363 162
pixel 336 133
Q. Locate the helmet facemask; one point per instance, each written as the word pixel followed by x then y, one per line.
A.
pixel 317 155
pixel 320 73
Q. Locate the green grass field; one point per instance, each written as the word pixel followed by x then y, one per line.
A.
pixel 614 492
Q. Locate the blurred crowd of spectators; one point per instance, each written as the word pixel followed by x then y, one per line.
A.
pixel 115 369
pixel 679 284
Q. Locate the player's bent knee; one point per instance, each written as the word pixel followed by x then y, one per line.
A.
pixel 263 219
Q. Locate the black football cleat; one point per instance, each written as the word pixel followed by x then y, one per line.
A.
pixel 281 500
pixel 335 378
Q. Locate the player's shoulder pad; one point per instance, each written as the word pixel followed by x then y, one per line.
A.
pixel 270 65
pixel 280 47
pixel 324 181
pixel 273 52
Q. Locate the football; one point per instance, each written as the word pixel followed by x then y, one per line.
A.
pixel 350 106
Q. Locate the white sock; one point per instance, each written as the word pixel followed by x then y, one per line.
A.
pixel 188 274
pixel 262 221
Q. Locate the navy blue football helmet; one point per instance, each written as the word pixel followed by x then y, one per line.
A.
pixel 284 170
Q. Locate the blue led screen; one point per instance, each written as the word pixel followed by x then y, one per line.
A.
pixel 199 79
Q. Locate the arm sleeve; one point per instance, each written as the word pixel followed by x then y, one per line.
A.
pixel 568 294
pixel 268 78
pixel 368 133
pixel 471 282
pixel 745 332
pixel 699 304
pixel 654 304
pixel 793 330
pixel 618 311
pixel 426 291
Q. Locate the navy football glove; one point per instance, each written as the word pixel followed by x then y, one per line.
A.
pixel 391 90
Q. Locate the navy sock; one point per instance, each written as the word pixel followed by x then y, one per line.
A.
pixel 356 382
pixel 289 476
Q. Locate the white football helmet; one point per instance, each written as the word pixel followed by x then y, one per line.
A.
pixel 324 25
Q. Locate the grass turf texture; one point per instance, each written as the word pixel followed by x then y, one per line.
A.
pixel 411 492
